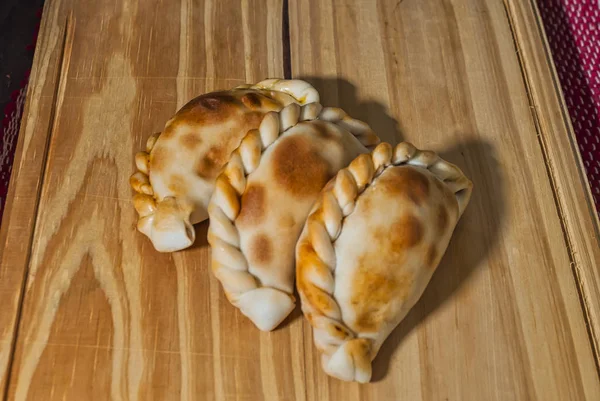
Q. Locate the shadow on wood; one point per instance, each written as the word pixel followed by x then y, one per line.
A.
pixel 473 238
pixel 295 314
pixel 201 232
pixel 338 92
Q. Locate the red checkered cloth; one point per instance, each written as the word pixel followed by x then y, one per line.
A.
pixel 573 30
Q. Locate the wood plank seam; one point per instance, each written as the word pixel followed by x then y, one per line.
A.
pixel 287 74
pixel 58 97
pixel 564 111
pixel 285 40
pixel 33 105
pixel 549 165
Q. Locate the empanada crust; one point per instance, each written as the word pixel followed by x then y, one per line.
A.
pixel 369 247
pixel 176 173
pixel 262 199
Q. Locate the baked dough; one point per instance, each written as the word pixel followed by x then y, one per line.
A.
pixel 369 247
pixel 176 173
pixel 262 198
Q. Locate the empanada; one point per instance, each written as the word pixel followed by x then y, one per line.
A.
pixel 262 198
pixel 177 172
pixel 369 247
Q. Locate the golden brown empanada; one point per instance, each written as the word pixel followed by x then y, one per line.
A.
pixel 262 198
pixel 177 172
pixel 369 247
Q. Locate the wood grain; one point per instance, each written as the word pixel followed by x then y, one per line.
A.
pixel 104 316
pixel 22 202
pixel 557 138
pixel 501 318
pixel 95 313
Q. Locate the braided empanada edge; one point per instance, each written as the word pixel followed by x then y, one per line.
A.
pixel 265 306
pixel 345 354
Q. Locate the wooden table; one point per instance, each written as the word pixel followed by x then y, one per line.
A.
pixel 91 312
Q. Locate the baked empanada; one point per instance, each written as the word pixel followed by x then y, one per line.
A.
pixel 369 247
pixel 177 172
pixel 262 198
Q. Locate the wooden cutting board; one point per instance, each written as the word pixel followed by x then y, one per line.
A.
pixel 91 312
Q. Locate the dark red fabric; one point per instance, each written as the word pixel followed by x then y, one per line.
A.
pixel 27 19
pixel 8 141
pixel 573 30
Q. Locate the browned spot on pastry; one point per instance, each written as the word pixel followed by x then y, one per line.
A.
pixel 404 233
pixel 216 157
pixel 431 256
pixel 337 331
pixel 305 250
pixel 251 100
pixel 210 108
pixel 261 251
pixel 177 184
pixel 212 162
pixel 407 181
pixel 417 184
pixel 253 205
pixel 318 298
pixel 298 167
pixel 308 263
pixel 213 103
pixel 442 218
pixel 230 119
pixel 210 101
pixel 374 288
pixel 219 107
pixel 190 140
pixel 222 108
pixel 380 283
